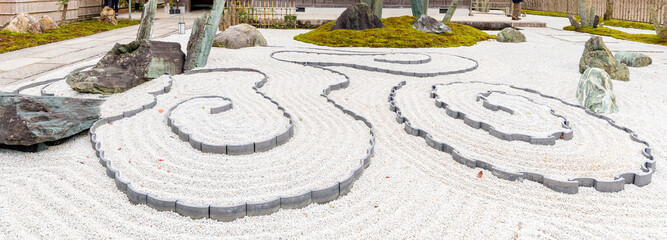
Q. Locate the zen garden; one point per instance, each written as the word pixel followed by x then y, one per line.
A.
pixel 333 119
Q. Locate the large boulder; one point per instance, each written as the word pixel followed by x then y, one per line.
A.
pixel 239 36
pixel 47 23
pixel 633 59
pixel 28 120
pixel 357 17
pixel 429 25
pixel 128 65
pixel 597 55
pixel 108 16
pixel 511 35
pixel 596 92
pixel 23 23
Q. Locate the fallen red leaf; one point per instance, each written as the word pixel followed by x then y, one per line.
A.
pixel 160 160
pixel 386 177
pixel 160 110
pixel 110 123
pixel 479 175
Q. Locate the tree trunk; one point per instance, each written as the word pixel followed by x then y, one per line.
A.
pixel 608 14
pixel 450 11
pixel 63 17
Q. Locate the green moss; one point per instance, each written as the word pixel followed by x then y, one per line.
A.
pixel 398 33
pixel 644 38
pixel 627 24
pixel 611 22
pixel 549 14
pixel 14 41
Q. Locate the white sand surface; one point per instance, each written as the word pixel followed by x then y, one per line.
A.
pixel 410 191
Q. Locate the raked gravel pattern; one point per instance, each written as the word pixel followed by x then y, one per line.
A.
pixel 410 191
pixel 168 168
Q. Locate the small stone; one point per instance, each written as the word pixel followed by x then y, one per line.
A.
pixel 633 59
pixel 108 16
pixel 46 23
pixel 28 120
pixel 596 21
pixel 357 17
pixel 23 23
pixel 239 36
pixel 430 25
pixel 511 35
pixel 597 55
pixel 596 92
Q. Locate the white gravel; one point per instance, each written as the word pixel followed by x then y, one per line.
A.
pixel 410 191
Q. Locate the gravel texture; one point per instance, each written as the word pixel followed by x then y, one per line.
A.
pixel 410 191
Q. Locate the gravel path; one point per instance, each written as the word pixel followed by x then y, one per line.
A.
pixel 410 191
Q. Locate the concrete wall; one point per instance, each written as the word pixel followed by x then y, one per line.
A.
pixel 37 8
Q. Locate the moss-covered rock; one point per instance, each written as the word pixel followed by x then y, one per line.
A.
pixel 596 92
pixel 633 59
pixel 511 35
pixel 398 33
pixel 597 55
pixel 357 17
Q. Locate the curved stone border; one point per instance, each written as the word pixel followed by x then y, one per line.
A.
pixel 570 186
pixel 230 213
pixel 373 69
pixel 549 140
pixel 48 81
pixel 233 149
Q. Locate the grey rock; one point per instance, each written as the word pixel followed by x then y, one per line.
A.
pixel 357 17
pixel 128 65
pixel 511 35
pixel 596 92
pixel 633 59
pixel 597 55
pixel 46 23
pixel 239 36
pixel 429 25
pixel 147 20
pixel 23 23
pixel 201 38
pixel 596 21
pixel 108 16
pixel 28 120
pixel 574 22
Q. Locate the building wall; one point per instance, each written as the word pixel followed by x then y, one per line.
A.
pixel 76 9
